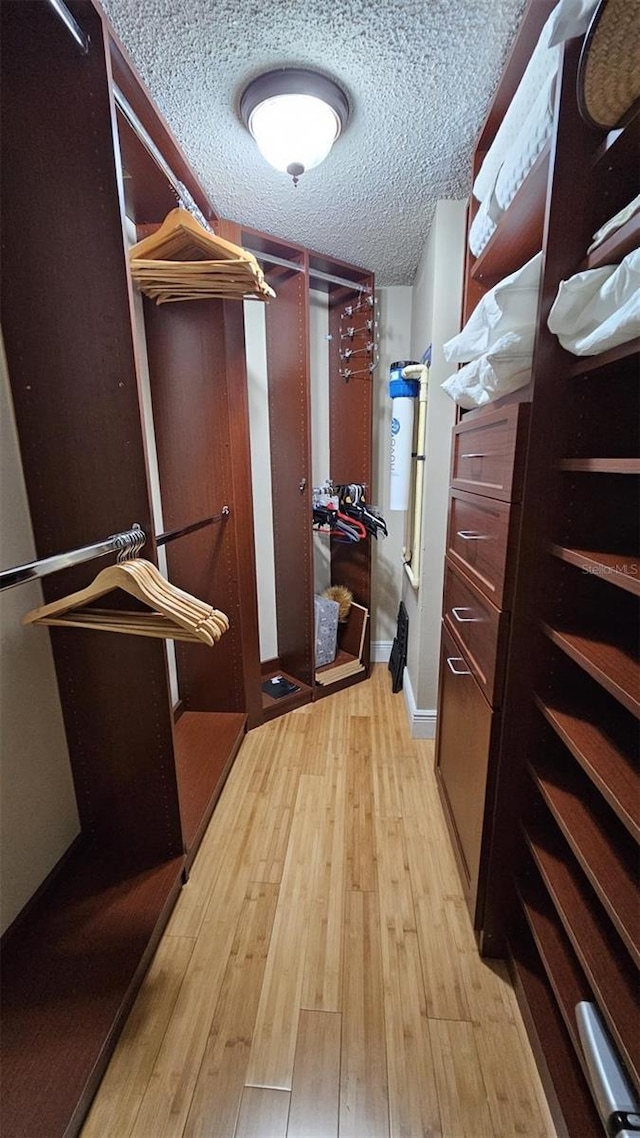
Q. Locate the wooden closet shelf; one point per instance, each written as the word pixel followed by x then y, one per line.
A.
pixel 274 707
pixel 612 665
pixel 205 745
pixel 609 860
pixel 609 761
pixel 612 250
pixel 554 1051
pixel 616 568
pixel 519 233
pixel 560 963
pixel 581 365
pixel 69 976
pixel 602 465
pixel 608 970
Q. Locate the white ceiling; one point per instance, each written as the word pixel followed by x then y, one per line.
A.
pixel 419 75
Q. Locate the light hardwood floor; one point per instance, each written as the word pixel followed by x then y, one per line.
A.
pixel 319 976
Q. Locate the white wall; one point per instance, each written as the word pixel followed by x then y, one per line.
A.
pixel 394 340
pixel 257 379
pixel 320 433
pixel 437 293
pixel 39 817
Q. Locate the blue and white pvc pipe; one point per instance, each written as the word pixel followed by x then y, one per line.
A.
pixel 404 393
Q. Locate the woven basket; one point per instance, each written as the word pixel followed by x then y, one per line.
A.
pixel 609 69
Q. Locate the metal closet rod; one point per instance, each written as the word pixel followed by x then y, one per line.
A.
pixel 172 534
pixel 183 194
pixel 146 139
pixel 125 542
pixel 314 274
pixel 71 24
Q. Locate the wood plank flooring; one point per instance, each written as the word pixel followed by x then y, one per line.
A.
pixel 318 977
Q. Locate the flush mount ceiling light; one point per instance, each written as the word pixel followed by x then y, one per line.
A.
pixel 295 117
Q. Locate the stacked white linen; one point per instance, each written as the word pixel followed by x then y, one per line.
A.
pixel 599 308
pixel 528 122
pixel 496 343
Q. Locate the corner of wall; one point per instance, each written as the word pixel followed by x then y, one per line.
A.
pixel 422 722
pixel 435 318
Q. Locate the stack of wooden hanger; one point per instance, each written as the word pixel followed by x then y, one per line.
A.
pixel 175 615
pixel 183 261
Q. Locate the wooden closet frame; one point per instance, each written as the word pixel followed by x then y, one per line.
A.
pixel 562 825
pixel 146 785
pixel 289 393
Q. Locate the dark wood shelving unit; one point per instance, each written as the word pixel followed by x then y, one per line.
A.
pixel 614 248
pixel 618 569
pixel 609 662
pixel 70 974
pixel 205 743
pixel 558 958
pixel 569 1098
pixel 602 465
pixel 290 430
pixel 145 787
pixel 519 234
pixel 272 708
pixel 567 774
pixel 605 749
pixel 582 365
pixel 610 973
pixel 609 859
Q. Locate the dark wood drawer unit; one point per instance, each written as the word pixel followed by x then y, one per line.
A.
pixel 467 727
pixel 481 540
pixel 489 448
pixel 481 629
pixel 487 457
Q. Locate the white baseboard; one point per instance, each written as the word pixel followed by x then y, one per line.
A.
pixel 381 651
pixel 421 721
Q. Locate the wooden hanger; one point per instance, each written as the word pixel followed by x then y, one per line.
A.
pixel 176 615
pixel 183 261
pixel 182 238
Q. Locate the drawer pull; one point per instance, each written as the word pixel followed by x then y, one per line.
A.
pixel 479 454
pixel 451 660
pixel 471 535
pixel 457 609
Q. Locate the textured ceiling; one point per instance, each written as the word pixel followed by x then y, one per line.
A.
pixel 419 75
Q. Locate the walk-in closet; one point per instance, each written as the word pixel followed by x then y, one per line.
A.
pixel 319 681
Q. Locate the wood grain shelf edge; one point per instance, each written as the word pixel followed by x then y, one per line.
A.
pixel 606 764
pixel 611 974
pixel 609 870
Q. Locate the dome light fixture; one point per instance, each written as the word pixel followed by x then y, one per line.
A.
pixel 295 116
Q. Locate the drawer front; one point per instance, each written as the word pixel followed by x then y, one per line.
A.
pixel 481 629
pixel 462 760
pixel 487 453
pixel 480 539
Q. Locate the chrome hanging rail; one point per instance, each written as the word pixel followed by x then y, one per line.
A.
pixel 172 534
pixel 124 544
pixel 184 196
pixel 71 24
pixel 314 274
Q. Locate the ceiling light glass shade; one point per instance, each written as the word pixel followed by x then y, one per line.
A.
pixel 294 130
pixel 295 117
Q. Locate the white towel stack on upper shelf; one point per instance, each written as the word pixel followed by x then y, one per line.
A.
pixel 526 127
